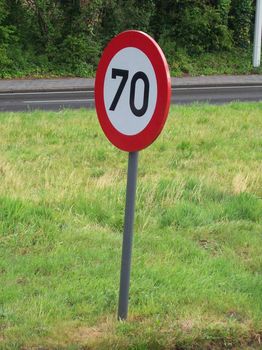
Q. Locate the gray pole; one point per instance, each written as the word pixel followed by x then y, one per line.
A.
pixel 128 236
pixel 258 34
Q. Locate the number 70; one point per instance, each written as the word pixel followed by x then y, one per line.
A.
pixel 138 112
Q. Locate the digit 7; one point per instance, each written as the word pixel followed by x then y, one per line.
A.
pixel 121 73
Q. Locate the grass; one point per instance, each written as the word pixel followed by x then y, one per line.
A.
pixel 196 272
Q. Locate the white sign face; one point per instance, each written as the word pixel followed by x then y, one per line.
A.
pixel 130 91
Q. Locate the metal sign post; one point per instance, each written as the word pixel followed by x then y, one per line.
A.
pixel 257 35
pixel 128 235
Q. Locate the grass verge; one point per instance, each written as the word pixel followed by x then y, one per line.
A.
pixel 197 263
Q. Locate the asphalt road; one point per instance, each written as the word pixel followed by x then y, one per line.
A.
pixel 55 100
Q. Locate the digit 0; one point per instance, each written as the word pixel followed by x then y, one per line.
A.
pixel 139 112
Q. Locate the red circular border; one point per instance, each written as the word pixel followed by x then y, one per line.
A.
pixel 143 42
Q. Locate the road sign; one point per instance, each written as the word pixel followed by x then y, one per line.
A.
pixel 132 96
pixel 132 90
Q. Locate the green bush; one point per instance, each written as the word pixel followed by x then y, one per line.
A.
pixel 77 49
pixel 67 36
pixel 120 15
pixel 195 28
pixel 241 20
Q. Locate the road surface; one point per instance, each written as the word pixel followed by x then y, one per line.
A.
pixel 55 100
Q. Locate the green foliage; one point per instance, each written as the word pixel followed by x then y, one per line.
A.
pixel 120 15
pixel 201 29
pixel 6 32
pixel 67 36
pixel 224 8
pixel 235 61
pixel 78 51
pixel 241 19
pixel 197 27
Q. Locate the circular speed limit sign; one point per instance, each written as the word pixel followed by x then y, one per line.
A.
pixel 132 90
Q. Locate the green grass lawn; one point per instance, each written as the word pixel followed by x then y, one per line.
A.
pixel 196 278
